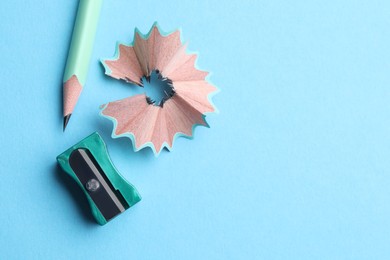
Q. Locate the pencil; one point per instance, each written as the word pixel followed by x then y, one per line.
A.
pixel 79 55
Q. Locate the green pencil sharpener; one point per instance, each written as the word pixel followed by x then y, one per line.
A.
pixel 89 164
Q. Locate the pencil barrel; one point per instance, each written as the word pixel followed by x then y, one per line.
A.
pixel 83 38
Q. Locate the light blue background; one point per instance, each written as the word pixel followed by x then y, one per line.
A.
pixel 295 166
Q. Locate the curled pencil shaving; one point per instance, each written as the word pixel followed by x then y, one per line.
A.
pixel 141 118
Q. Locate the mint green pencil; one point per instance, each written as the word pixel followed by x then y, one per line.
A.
pixel 79 54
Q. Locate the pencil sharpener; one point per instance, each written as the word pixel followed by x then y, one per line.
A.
pixel 89 164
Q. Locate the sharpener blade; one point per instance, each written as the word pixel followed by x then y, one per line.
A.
pixel 108 200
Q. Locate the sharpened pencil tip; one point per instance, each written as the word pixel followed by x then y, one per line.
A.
pixel 66 120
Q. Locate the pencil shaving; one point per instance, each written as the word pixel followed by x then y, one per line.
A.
pixel 145 121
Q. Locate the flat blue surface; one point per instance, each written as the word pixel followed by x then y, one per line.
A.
pixel 295 166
